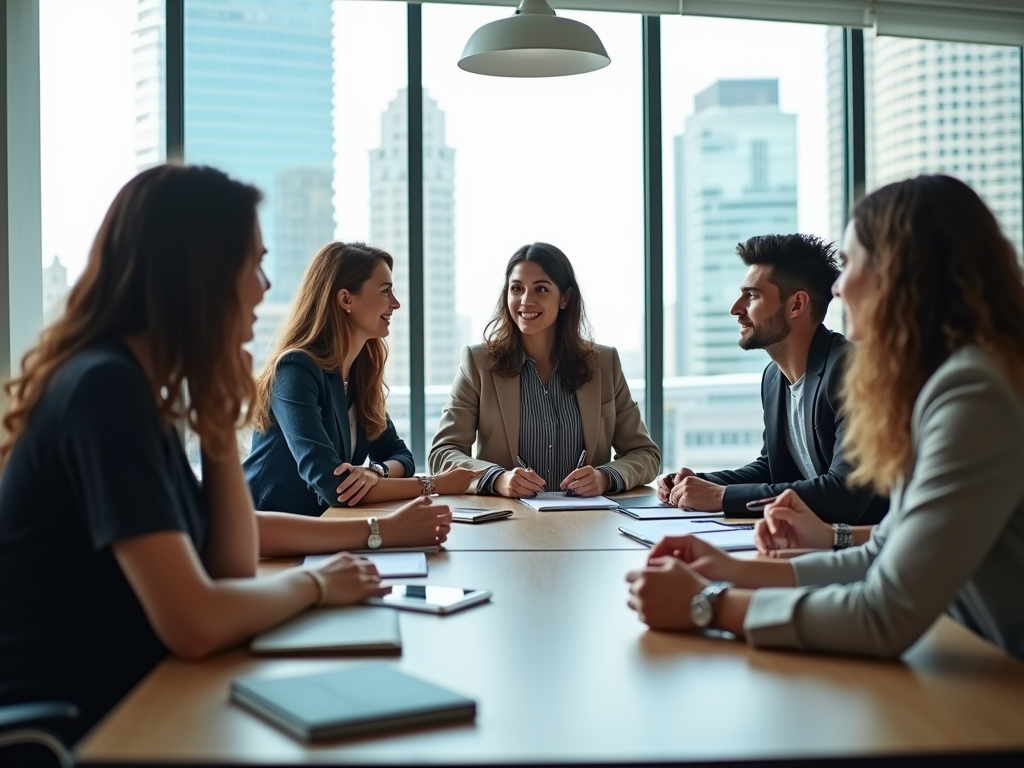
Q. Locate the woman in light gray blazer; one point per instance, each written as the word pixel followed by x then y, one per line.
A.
pixel 935 401
pixel 543 404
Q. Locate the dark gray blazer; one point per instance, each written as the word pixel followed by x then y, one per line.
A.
pixel 774 470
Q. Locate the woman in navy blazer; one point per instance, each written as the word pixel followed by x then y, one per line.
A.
pixel 320 405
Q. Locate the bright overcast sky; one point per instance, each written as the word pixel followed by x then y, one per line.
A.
pixel 555 159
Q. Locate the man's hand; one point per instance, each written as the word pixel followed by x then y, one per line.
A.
pixel 693 493
pixel 667 482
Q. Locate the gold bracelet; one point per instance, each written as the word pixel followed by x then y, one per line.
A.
pixel 321 586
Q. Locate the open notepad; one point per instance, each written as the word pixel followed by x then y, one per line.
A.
pixel 556 501
pixel 731 538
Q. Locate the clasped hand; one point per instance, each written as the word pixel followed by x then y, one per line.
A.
pixel 687 491
pixel 678 567
pixel 789 523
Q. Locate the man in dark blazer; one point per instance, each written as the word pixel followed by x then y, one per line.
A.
pixel 782 303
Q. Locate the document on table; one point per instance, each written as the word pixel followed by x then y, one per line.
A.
pixel 728 537
pixel 391 565
pixel 556 501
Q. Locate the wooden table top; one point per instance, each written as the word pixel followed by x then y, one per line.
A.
pixel 563 671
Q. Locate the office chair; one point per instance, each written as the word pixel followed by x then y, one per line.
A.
pixel 23 734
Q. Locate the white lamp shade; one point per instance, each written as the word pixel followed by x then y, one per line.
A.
pixel 534 45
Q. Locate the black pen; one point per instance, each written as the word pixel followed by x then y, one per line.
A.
pixel 583 456
pixel 758 505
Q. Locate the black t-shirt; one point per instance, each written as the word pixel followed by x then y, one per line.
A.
pixel 93 466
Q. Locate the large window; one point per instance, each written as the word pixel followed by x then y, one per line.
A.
pixel 745 145
pixel 951 108
pixel 513 161
pixel 295 97
pixel 101 121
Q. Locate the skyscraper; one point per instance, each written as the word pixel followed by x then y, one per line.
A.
pixel 735 177
pixel 939 107
pixel 389 230
pixel 258 103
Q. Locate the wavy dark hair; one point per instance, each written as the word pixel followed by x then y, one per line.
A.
pixel 574 348
pixel 947 276
pixel 318 327
pixel 166 262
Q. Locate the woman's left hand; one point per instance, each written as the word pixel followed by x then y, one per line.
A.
pixel 661 593
pixel 585 481
pixel 355 486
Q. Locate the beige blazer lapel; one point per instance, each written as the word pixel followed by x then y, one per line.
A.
pixel 588 397
pixel 507 390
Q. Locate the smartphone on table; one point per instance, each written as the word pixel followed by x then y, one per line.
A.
pixel 430 598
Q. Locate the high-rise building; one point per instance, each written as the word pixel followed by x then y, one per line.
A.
pixel 389 230
pixel 55 290
pixel 939 107
pixel 735 177
pixel 258 105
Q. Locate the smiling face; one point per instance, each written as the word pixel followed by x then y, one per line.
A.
pixel 856 282
pixel 760 310
pixel 533 299
pixel 252 284
pixel 369 311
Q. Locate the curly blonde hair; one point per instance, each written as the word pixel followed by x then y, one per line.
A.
pixel 946 277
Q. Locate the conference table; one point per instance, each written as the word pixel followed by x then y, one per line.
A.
pixel 563 672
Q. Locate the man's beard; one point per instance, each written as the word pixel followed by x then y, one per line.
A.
pixel 771 331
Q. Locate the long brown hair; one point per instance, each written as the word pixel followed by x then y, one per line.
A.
pixel 947 277
pixel 574 348
pixel 318 327
pixel 166 262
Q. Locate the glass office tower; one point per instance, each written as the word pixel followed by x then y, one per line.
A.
pixel 735 177
pixel 389 166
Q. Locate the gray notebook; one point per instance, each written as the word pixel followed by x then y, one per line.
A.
pixel 356 629
pixel 354 701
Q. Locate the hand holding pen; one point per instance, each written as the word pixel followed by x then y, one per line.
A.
pixel 519 482
pixel 585 480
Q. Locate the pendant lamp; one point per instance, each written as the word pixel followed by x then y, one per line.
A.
pixel 534 43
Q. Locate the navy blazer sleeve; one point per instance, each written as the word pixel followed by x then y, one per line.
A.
pixel 297 411
pixel 827 494
pixel 390 447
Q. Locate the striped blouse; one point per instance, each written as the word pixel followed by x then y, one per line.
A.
pixel 550 431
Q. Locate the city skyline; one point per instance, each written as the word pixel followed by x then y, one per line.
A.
pixel 735 177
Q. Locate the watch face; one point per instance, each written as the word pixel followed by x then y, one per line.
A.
pixel 374 541
pixel 700 610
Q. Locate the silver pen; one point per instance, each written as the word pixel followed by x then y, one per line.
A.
pixel 583 457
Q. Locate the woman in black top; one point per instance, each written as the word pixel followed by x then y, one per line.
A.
pixel 111 552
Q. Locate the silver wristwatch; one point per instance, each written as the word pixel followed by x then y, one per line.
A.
pixel 428 484
pixel 379 468
pixel 843 537
pixel 702 606
pixel 374 541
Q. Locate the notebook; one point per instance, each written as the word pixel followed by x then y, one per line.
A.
pixel 356 629
pixel 731 538
pixel 390 565
pixel 556 501
pixel 652 508
pixel 330 705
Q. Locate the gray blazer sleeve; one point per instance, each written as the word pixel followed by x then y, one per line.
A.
pixel 965 486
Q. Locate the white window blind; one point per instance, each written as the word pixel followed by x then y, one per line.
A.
pixel 995 22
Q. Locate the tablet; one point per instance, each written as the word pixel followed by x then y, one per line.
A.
pixel 430 598
pixel 478 514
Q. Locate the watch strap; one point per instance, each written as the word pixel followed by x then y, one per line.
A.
pixel 842 536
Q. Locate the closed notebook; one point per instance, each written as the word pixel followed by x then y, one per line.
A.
pixel 728 537
pixel 332 705
pixel 355 629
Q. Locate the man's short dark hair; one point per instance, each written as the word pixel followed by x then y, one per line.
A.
pixel 798 263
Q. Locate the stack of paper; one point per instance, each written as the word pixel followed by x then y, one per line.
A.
pixel 557 501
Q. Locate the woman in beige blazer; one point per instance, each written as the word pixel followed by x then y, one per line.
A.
pixel 543 404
